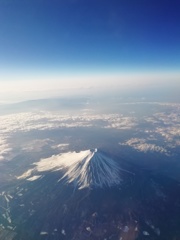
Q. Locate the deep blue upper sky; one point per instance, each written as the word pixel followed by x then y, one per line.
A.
pixel 69 35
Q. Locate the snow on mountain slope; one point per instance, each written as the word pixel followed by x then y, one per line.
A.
pixel 90 168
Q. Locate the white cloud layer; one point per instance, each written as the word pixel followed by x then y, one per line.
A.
pixel 42 121
pixel 47 120
pixel 163 126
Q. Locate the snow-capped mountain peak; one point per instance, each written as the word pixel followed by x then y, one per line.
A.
pixel 94 169
pixel 85 169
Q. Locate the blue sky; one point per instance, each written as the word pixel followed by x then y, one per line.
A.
pixel 87 37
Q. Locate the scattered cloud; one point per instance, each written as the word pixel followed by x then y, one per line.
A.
pixel 5 149
pixel 37 145
pixel 61 146
pixel 123 123
pixel 167 125
pixel 143 146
